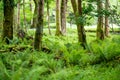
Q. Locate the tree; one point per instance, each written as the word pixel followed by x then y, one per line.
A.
pixel 8 20
pixel 34 23
pixel 48 15
pixel 100 32
pixel 63 16
pixel 80 26
pixel 39 27
pixel 106 18
pixel 58 32
pixel 30 5
pixel 24 13
pixel 31 8
pixel 18 14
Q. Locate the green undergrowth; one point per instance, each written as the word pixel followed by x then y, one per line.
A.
pixel 66 59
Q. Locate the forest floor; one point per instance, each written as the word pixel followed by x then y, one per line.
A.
pixel 62 58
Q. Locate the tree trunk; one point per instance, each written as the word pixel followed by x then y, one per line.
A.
pixel 74 6
pixel 24 13
pixel 30 5
pixel 18 15
pixel 34 23
pixel 15 20
pixel 81 30
pixel 58 32
pixel 31 9
pixel 80 26
pixel 8 20
pixel 63 16
pixel 106 19
pixel 39 27
pixel 48 15
pixel 100 32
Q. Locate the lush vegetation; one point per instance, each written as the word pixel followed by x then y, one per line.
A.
pixel 61 57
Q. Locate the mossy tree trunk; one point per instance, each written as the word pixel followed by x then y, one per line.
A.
pixel 8 20
pixel 80 27
pixel 100 32
pixel 106 18
pixel 34 23
pixel 63 16
pixel 58 23
pixel 39 27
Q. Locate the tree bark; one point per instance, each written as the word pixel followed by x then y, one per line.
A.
pixel 106 18
pixel 80 27
pixel 48 15
pixel 39 28
pixel 24 13
pixel 34 23
pixel 63 16
pixel 58 32
pixel 74 6
pixel 100 32
pixel 30 5
pixel 81 30
pixel 31 9
pixel 18 15
pixel 8 20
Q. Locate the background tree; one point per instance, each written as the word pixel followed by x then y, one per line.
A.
pixel 106 18
pixel 58 32
pixel 34 23
pixel 8 20
pixel 63 16
pixel 18 14
pixel 80 27
pixel 24 14
pixel 48 15
pixel 39 27
pixel 100 32
pixel 31 8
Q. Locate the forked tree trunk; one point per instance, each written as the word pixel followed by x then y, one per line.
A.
pixel 39 27
pixel 8 20
pixel 81 30
pixel 63 16
pixel 58 32
pixel 106 19
pixel 100 32
pixel 80 27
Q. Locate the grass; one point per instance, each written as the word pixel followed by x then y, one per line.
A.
pixel 67 60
